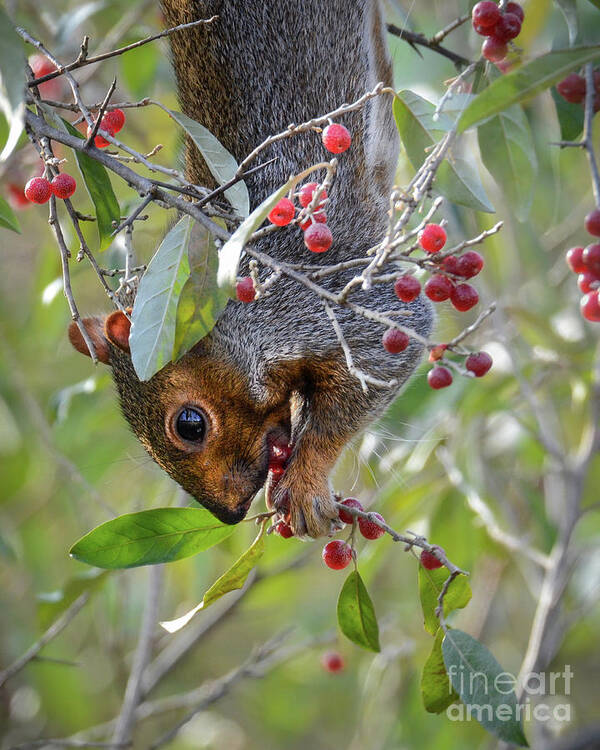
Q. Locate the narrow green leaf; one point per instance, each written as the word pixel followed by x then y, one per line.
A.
pixel 431 583
pixel 51 605
pixel 202 300
pixel 457 179
pixel 436 689
pixel 221 163
pixel 229 257
pixel 12 82
pixel 100 190
pixel 154 315
pixel 508 152
pixel 483 686
pixel 356 615
pixel 569 11
pixel 525 82
pixel 150 537
pixel 232 579
pixel 7 218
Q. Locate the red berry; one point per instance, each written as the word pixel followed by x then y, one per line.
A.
pixel 331 661
pixel 407 288
pixel 572 88
pixel 395 341
pixel 494 50
pixel 319 216
pixel 483 30
pixel 279 453
pixel 574 260
pixel 485 14
pixel 432 238
pixel 282 213
pixel 100 141
pixel 336 138
pixel 244 289
pixel 478 363
pixel 63 185
pixel 450 264
pixel 590 257
pixel 113 121
pixel 439 377
pixel 592 222
pixel 337 554
pixel 275 474
pixel 306 193
pixel 318 238
pixel 41 66
pixel 369 529
pixel 38 190
pixel 16 196
pixel 507 28
pixel 464 297
pixel 438 288
pixel 590 306
pixel 469 264
pixel 429 560
pixel 516 10
pixel 351 502
pixel 588 282
pixel 284 530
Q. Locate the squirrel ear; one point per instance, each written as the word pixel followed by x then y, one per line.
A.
pixel 117 327
pixel 95 329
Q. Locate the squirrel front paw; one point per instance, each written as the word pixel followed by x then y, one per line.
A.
pixel 307 507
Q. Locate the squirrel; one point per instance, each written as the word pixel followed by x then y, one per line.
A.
pixel 273 371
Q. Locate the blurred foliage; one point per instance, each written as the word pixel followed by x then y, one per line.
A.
pixel 67 460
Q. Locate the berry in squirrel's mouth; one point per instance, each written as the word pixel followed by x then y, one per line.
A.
pixel 280 451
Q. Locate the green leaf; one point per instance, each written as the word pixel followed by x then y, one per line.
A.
pixel 7 218
pixel 456 178
pixel 100 190
pixel 482 686
pixel 431 583
pixel 356 615
pixel 229 257
pixel 51 605
pixel 508 152
pixel 569 11
pixel 202 300
pixel 150 537
pixel 12 82
pixel 221 163
pixel 232 579
pixel 154 314
pixel 525 82
pixel 436 689
pixel 570 117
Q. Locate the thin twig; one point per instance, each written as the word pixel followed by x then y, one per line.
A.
pixel 55 629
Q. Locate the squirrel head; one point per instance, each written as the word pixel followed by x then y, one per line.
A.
pixel 195 417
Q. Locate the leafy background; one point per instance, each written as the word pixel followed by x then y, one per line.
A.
pixel 65 454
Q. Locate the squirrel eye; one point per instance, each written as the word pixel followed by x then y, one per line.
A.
pixel 191 425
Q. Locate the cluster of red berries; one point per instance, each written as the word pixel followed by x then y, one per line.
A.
pixel 586 263
pixel 573 89
pixel 338 554
pixel 39 189
pixel 111 123
pixel 446 284
pixel 499 26
pixel 317 235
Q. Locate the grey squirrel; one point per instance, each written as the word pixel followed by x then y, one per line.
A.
pixel 273 372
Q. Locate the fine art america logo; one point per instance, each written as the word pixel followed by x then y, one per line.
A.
pixel 535 688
